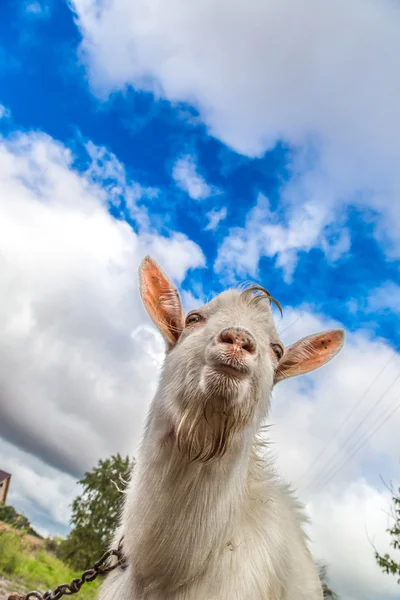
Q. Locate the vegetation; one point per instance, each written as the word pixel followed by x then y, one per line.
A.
pixel 9 515
pixel 95 512
pixel 41 564
pixel 31 569
pixel 36 563
pixel 387 563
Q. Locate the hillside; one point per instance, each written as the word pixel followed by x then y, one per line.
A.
pixel 9 515
pixel 25 565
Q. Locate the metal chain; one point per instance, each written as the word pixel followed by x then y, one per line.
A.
pixel 65 589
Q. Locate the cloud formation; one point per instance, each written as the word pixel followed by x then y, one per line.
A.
pixel 384 298
pixel 215 217
pixel 69 305
pixel 4 112
pixel 322 77
pixel 187 178
pixel 39 491
pixel 80 359
pixel 266 233
pixel 315 421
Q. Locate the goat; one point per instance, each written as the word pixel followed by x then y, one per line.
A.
pixel 205 516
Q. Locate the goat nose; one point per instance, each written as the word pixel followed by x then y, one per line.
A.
pixel 238 337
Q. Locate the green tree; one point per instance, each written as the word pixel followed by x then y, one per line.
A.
pixel 95 512
pixel 388 564
pixel 328 593
pixel 9 515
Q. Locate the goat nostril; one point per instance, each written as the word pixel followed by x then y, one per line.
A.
pixel 227 337
pixel 238 337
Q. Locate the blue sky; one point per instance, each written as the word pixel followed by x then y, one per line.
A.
pixel 233 152
pixel 39 62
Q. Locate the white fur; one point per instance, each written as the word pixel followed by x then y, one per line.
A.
pixel 224 529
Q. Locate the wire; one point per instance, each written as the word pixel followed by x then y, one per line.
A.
pixel 318 457
pixel 335 472
pixel 350 437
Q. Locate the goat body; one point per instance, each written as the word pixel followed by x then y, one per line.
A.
pixel 205 516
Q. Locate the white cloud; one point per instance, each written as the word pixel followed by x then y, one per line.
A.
pixel 186 176
pixel 43 493
pixel 288 78
pixel 323 77
pixel 380 300
pixel 328 395
pixel 346 527
pixel 79 360
pixel 37 9
pixel 4 112
pixel 73 381
pixel 106 170
pixel 386 297
pixel 191 301
pixel 266 233
pixel 350 511
pixel 215 217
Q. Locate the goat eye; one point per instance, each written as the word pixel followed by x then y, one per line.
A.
pixel 277 348
pixel 193 318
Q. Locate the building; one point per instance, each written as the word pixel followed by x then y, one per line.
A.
pixel 4 485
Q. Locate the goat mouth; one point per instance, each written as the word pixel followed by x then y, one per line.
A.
pixel 230 370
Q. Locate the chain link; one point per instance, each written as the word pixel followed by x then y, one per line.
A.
pixel 99 568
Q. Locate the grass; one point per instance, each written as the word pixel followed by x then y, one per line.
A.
pixel 35 569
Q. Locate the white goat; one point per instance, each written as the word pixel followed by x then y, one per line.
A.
pixel 205 517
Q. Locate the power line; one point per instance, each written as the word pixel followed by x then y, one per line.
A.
pixel 318 457
pixel 350 437
pixel 332 475
pixel 281 331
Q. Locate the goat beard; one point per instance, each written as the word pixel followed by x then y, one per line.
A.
pixel 208 426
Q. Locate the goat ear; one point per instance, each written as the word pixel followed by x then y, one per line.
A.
pixel 309 353
pixel 161 300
